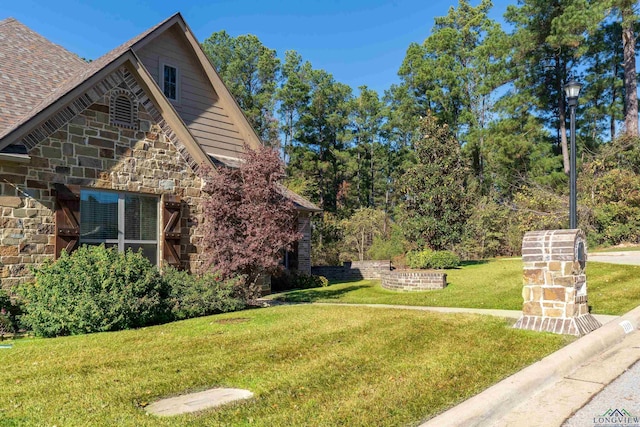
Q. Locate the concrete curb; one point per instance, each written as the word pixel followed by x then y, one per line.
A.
pixel 498 400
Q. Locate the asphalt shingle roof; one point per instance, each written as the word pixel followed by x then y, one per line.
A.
pixel 34 72
pixel 31 68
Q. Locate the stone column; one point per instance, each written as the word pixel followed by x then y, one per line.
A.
pixel 555 283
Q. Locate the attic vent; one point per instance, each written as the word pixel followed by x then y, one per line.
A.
pixel 123 109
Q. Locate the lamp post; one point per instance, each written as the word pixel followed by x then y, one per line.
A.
pixel 572 90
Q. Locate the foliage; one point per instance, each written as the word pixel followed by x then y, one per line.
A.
pixel 249 220
pixel 427 258
pixel 326 239
pixel 361 228
pixel 498 88
pixel 388 247
pixel 435 208
pixel 94 289
pixel 250 71
pixel 613 207
pixel 297 280
pixel 9 313
pixel 486 233
pixel 199 295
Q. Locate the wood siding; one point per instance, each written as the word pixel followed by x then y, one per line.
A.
pixel 198 103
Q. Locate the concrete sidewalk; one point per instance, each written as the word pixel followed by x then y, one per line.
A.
pixel 620 257
pixel 548 392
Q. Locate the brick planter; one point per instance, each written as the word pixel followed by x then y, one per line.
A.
pixel 413 280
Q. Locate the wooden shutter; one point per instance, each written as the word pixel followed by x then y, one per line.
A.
pixel 67 216
pixel 171 229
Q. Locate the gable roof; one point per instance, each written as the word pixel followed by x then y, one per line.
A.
pixel 38 77
pixel 31 67
pixel 31 55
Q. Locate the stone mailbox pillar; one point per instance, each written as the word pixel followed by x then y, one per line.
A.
pixel 555 284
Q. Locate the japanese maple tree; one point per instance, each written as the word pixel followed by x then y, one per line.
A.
pixel 249 221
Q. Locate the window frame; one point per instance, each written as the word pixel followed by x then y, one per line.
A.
pixel 121 242
pixel 164 63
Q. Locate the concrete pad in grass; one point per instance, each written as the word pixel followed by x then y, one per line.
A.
pixel 197 401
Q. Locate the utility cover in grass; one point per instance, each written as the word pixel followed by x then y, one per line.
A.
pixel 197 401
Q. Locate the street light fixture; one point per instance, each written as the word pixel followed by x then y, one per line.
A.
pixel 572 90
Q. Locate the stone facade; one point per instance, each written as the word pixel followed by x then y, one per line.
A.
pixel 354 270
pixel 414 281
pixel 89 152
pixel 555 283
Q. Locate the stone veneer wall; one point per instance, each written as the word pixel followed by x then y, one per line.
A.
pixel 354 270
pixel 412 281
pixel 89 152
pixel 555 283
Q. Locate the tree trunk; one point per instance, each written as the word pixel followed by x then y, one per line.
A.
pixel 630 82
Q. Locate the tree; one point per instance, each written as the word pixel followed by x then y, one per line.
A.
pixel 249 220
pixel 541 63
pixel 455 71
pixel 366 123
pixel 321 137
pixel 361 228
pixel 436 202
pixel 293 95
pixel 250 71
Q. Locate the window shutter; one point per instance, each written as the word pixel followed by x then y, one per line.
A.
pixel 171 229
pixel 67 217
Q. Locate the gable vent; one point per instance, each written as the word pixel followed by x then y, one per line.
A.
pixel 123 109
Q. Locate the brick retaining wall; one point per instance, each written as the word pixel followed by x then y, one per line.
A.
pixel 355 270
pixel 411 281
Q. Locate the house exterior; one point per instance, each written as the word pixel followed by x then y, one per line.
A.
pixel 110 151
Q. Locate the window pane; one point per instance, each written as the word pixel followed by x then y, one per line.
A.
pixel 170 81
pixel 149 251
pixel 140 217
pixel 98 215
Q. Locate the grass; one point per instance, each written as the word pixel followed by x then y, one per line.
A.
pixel 612 289
pixel 307 365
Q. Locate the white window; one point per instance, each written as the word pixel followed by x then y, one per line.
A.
pixel 122 220
pixel 169 78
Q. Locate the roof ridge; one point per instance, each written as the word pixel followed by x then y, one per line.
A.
pixel 8 20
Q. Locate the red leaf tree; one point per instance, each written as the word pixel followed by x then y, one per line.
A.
pixel 248 219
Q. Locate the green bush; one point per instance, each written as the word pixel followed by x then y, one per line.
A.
pixel 193 296
pixel 432 259
pixel 94 289
pixel 295 280
pixel 390 247
pixel 9 314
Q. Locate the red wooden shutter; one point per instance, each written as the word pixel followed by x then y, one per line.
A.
pixel 67 216
pixel 171 229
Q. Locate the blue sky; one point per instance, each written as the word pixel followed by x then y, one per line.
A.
pixel 360 42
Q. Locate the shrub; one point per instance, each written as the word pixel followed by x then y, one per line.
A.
pixel 9 314
pixel 297 280
pixel 94 289
pixel 193 296
pixel 432 259
pixel 390 247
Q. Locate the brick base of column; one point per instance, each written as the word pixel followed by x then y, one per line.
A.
pixel 578 326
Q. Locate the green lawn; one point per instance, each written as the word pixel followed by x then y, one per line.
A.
pixel 612 289
pixel 307 365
